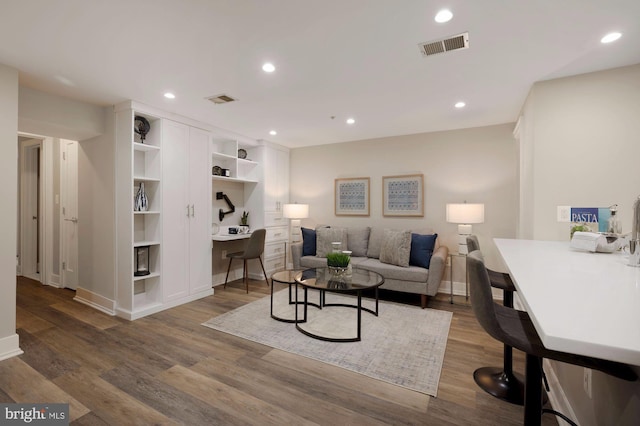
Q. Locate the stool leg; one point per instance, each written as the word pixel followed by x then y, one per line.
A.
pixel 227 277
pixel 533 392
pixel 502 383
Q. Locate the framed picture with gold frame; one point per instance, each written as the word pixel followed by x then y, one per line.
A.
pixel 403 195
pixel 352 196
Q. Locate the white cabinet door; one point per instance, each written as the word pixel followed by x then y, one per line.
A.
pixel 175 232
pixel 276 179
pixel 199 189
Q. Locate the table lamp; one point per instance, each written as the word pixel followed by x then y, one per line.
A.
pixel 464 215
pixel 295 212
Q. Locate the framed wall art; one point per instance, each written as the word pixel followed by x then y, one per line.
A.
pixel 352 197
pixel 403 195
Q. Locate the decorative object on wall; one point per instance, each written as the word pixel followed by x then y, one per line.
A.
pixel 352 197
pixel 141 126
pixel 242 153
pixel 141 202
pixel 403 195
pixel 142 261
pixel 216 171
pixel 464 215
pixel 232 208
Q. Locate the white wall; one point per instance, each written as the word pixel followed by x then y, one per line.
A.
pixel 96 201
pixel 582 134
pixel 478 165
pixel 8 211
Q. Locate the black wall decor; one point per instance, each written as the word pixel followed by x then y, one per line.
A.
pixel 232 208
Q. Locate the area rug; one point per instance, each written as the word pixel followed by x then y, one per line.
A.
pixel 404 345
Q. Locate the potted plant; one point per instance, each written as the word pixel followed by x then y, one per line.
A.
pixel 338 262
pixel 244 222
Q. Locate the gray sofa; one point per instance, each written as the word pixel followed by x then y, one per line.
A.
pixel 375 249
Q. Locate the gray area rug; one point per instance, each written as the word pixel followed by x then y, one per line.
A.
pixel 404 345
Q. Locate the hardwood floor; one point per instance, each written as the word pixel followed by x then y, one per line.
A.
pixel 168 369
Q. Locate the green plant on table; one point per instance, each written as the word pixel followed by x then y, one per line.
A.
pixel 338 260
pixel 244 220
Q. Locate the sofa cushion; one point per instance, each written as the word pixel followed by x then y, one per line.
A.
pixel 324 238
pixel 393 272
pixel 396 247
pixel 375 242
pixel 308 242
pixel 421 249
pixel 358 240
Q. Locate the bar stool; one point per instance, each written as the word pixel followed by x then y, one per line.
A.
pixel 500 382
pixel 515 328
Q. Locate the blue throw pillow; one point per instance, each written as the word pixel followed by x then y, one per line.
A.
pixel 308 242
pixel 422 249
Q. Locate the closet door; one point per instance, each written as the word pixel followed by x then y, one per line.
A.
pixel 199 189
pixel 176 210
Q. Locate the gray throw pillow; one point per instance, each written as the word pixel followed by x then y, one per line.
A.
pixel 358 241
pixel 375 242
pixel 396 247
pixel 324 238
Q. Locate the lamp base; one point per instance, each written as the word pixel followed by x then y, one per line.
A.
pixel 463 232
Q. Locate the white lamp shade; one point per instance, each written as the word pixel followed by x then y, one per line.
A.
pixel 295 211
pixel 465 213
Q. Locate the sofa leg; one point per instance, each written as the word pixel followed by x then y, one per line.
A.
pixel 423 300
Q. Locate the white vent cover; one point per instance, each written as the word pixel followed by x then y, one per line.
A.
pixel 456 42
pixel 221 99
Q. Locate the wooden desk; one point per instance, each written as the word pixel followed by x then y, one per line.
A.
pixel 580 302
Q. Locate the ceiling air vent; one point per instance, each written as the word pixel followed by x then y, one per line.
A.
pixel 460 41
pixel 221 99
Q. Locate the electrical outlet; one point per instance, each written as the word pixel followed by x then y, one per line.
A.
pixel 586 381
pixel 564 213
pixel 224 254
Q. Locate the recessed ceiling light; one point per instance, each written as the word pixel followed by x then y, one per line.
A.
pixel 610 37
pixel 460 104
pixel 444 15
pixel 169 95
pixel 273 133
pixel 350 121
pixel 268 67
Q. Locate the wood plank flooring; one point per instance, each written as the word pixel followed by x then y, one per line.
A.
pixel 168 369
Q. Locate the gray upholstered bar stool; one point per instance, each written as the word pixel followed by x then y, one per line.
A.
pixel 500 382
pixel 515 328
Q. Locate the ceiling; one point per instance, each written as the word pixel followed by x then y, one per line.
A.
pixel 334 59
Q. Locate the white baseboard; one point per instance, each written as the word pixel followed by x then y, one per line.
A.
pixel 54 280
pixel 557 398
pixel 10 347
pixel 96 301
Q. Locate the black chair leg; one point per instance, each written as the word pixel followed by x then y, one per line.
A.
pixel 245 275
pixel 264 272
pixel 227 277
pixel 533 391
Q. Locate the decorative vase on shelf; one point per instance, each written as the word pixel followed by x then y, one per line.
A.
pixel 141 203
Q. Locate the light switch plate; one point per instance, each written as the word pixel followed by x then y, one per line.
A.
pixel 564 213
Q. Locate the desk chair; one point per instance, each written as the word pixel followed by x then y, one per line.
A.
pixel 514 328
pixel 255 248
pixel 502 383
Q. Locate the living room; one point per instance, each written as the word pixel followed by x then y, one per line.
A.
pixel 571 144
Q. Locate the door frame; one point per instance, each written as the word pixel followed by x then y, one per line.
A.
pixel 46 227
pixel 67 195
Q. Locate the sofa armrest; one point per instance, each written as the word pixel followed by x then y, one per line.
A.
pixel 296 254
pixel 436 269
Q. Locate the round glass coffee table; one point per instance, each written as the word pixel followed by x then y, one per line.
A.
pixel 288 277
pixel 327 282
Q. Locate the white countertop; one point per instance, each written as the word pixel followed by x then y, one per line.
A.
pixel 580 302
pixel 230 237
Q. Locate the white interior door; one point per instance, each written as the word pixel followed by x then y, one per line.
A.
pixel 30 241
pixel 200 219
pixel 69 203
